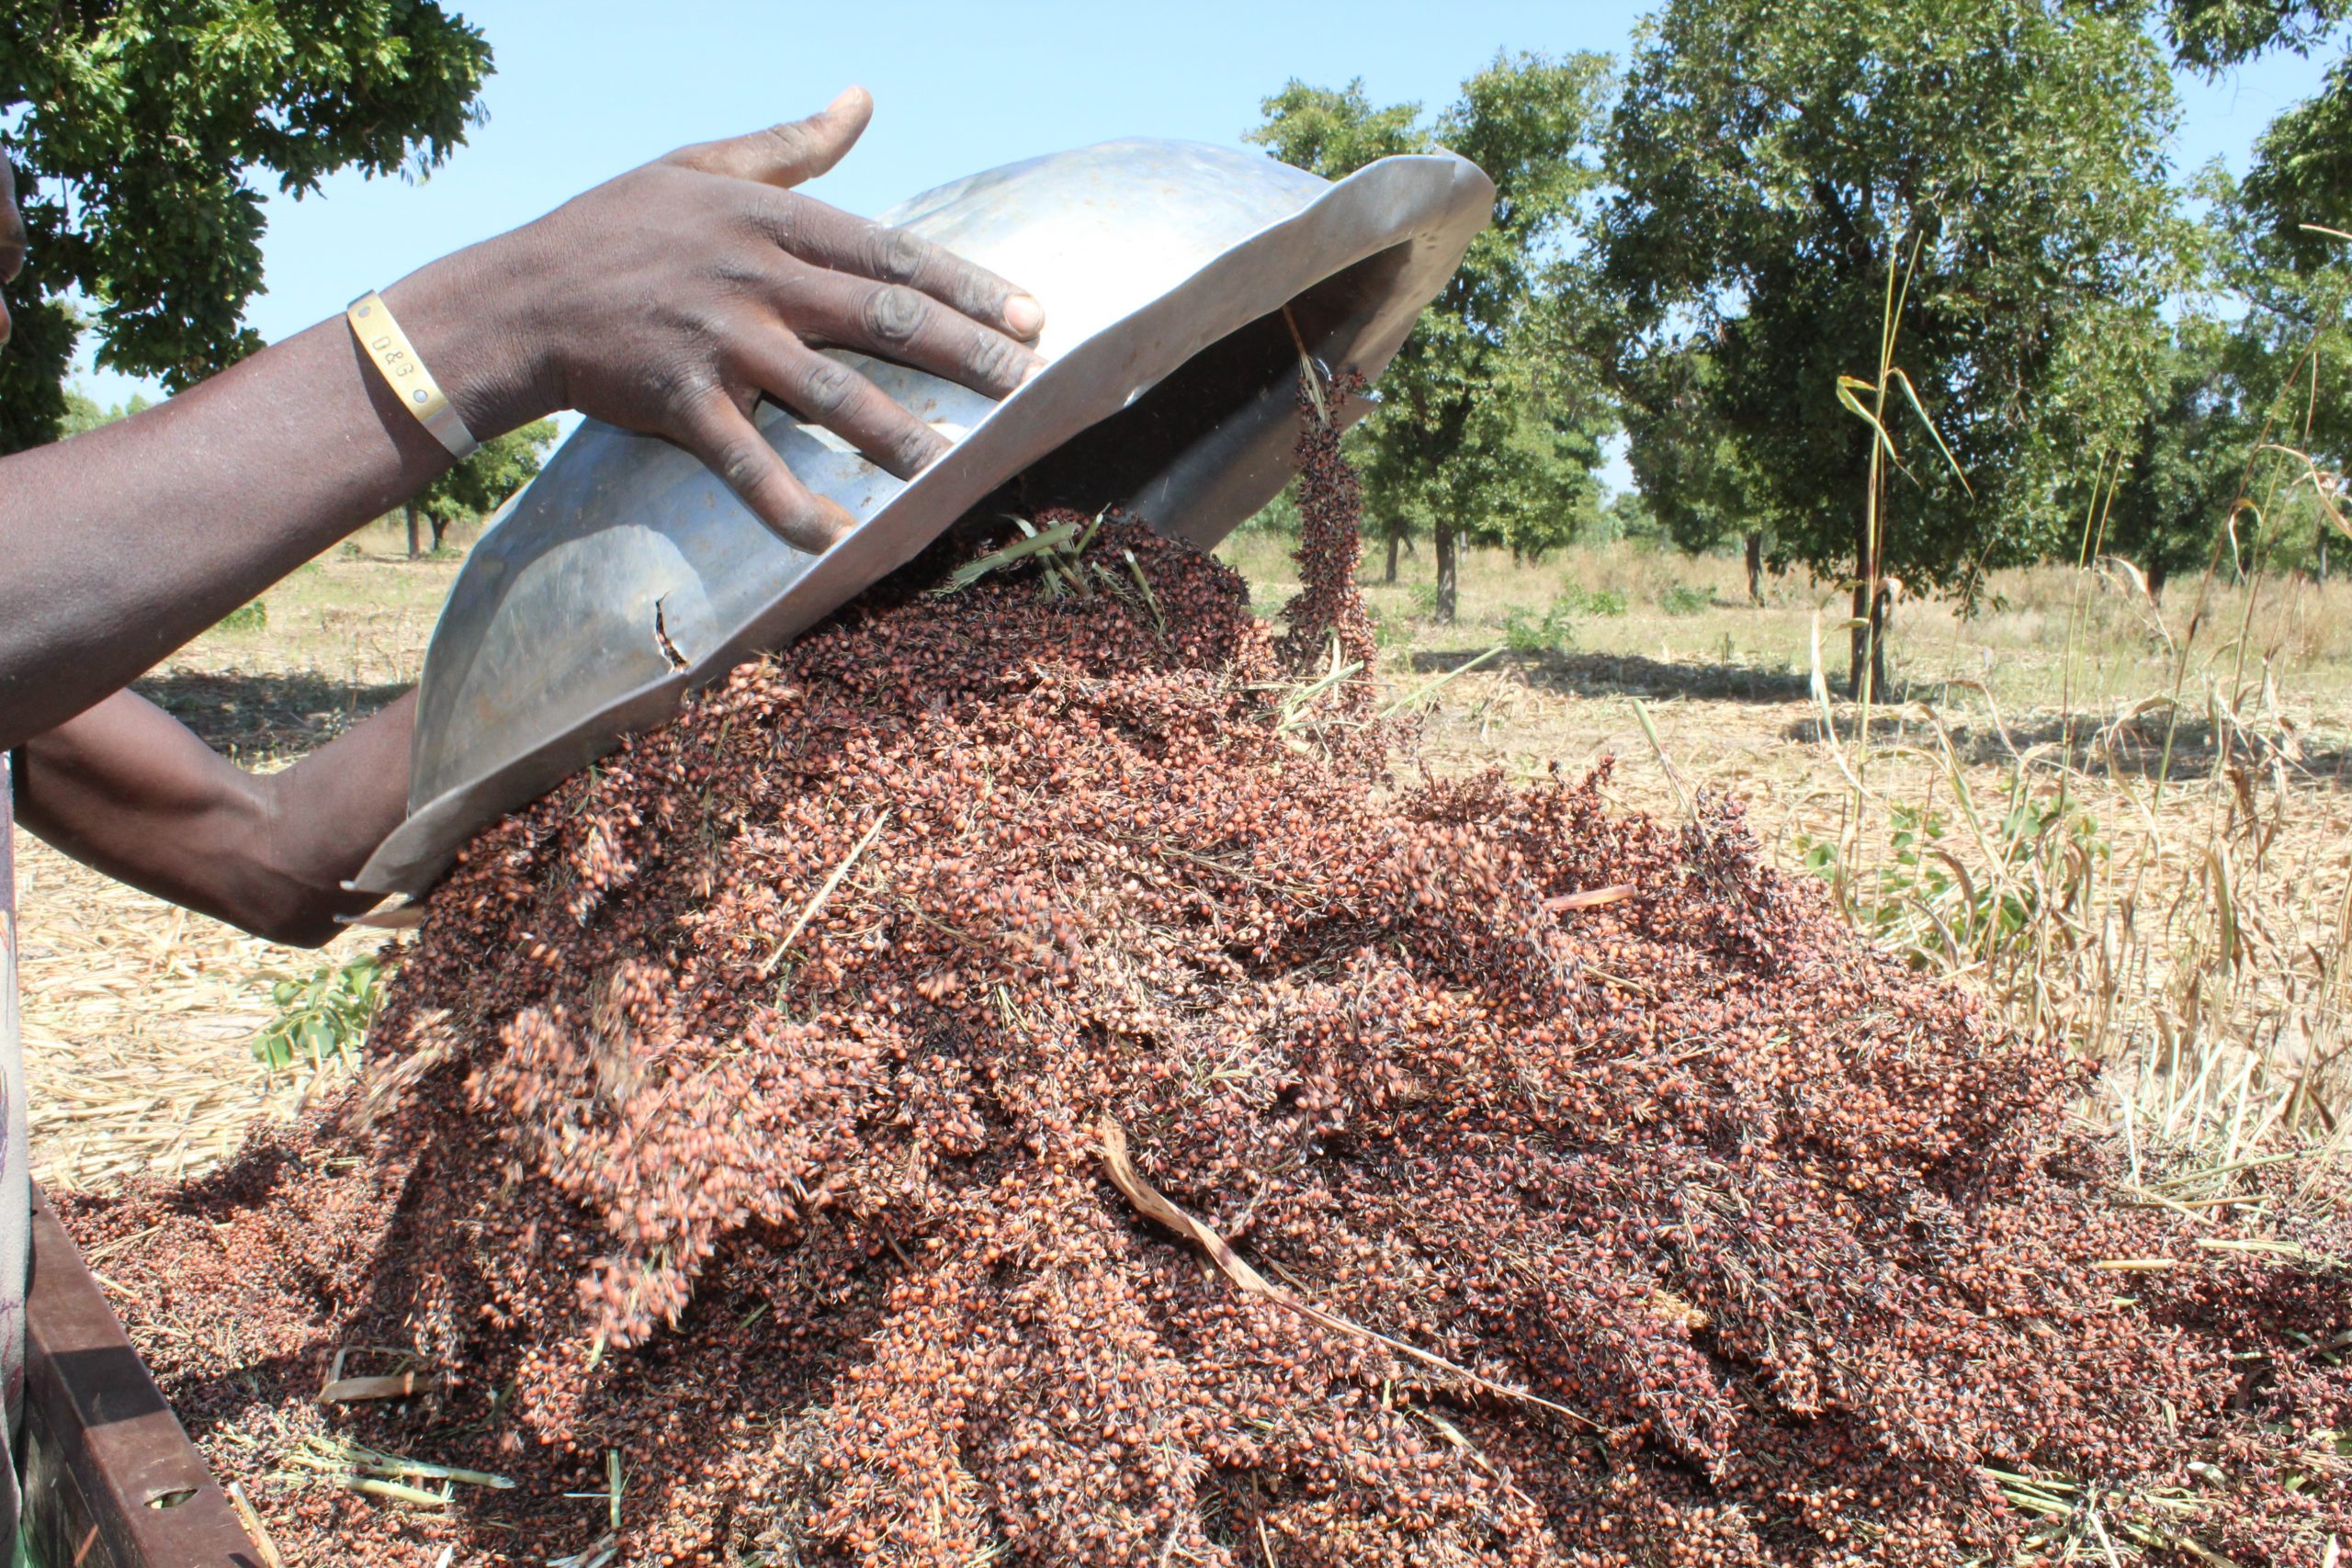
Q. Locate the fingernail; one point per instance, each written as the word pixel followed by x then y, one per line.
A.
pixel 845 522
pixel 1024 315
pixel 929 452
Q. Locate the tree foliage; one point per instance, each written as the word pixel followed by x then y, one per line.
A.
pixel 2179 480
pixel 2212 35
pixel 2301 180
pixel 1685 462
pixel 1781 163
pixel 84 412
pixel 2255 419
pixel 140 127
pixel 2292 224
pixel 2301 183
pixel 497 468
pixel 482 482
pixel 1482 433
pixel 2289 350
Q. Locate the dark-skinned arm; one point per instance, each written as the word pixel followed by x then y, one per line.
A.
pixel 668 301
pixel 127 789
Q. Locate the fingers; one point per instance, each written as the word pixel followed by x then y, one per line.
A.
pixel 789 153
pixel 825 392
pixel 724 437
pixel 827 237
pixel 892 322
pixel 893 255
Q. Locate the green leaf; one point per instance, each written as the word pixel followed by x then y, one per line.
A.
pixel 165 120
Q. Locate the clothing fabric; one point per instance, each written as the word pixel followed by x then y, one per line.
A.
pixel 16 1182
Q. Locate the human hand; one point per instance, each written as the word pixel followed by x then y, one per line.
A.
pixel 670 300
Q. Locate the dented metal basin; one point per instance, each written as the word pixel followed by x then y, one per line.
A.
pixel 1178 280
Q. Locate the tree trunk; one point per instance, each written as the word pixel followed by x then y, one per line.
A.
pixel 1872 602
pixel 1859 649
pixel 1756 568
pixel 1448 549
pixel 440 531
pixel 416 533
pixel 2156 580
pixel 1395 538
pixel 1867 655
pixel 1882 609
pixel 2320 529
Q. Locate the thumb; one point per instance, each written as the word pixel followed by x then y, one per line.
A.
pixel 791 153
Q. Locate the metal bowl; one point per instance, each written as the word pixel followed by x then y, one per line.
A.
pixel 1179 281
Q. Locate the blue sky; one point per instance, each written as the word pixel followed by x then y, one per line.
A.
pixel 586 89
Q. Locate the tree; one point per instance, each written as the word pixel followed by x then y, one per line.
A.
pixel 1985 177
pixel 138 125
pixel 2301 175
pixel 84 412
pixel 2177 482
pixel 1481 433
pixel 2290 354
pixel 1628 515
pixel 2289 227
pixel 479 485
pixel 2300 184
pixel 2242 439
pixel 1685 464
pixel 2212 35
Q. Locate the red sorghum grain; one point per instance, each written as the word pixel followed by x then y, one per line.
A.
pixel 821 1246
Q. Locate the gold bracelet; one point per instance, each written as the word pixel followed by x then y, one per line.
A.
pixel 372 323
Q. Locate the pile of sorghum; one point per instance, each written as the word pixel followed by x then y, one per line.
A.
pixel 731 1162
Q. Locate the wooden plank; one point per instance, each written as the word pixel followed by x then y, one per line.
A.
pixel 112 1480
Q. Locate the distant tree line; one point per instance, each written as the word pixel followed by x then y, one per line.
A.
pixel 1794 234
pixel 1487 433
pixel 1887 292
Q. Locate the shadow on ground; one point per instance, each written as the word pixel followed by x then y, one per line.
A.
pixel 256 716
pixel 2145 746
pixel 1630 674
pixel 2148 747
